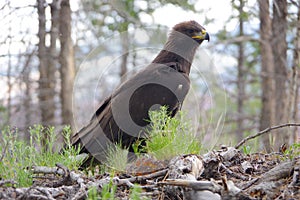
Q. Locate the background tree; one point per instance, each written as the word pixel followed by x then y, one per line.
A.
pixel 67 63
pixel 267 118
pixel 294 86
pixel 47 62
pixel 241 74
pixel 241 77
pixel 279 47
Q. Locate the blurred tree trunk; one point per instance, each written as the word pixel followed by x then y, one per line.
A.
pixel 52 61
pixel 27 98
pixel 241 75
pixel 46 66
pixel 125 48
pixel 9 68
pixel 294 87
pixel 279 46
pixel 67 63
pixel 267 71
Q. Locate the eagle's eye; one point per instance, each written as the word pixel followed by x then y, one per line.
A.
pixel 190 31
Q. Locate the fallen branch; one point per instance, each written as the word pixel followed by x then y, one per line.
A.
pixel 59 170
pixel 47 170
pixel 267 130
pixel 229 172
pixel 38 192
pixel 195 185
pixel 137 179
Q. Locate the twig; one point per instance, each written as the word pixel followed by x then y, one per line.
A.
pixel 239 176
pixel 250 183
pixel 60 170
pixel 126 182
pixel 264 132
pixel 195 185
pixel 26 193
pixel 148 176
pixel 81 194
pixel 47 170
pixel 138 179
pixel 45 192
pixel 145 173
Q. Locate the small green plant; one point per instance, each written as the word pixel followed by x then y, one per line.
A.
pixel 93 193
pixel 116 158
pixel 169 137
pixel 17 156
pixel 135 193
pixel 247 150
pixel 137 146
pixel 70 152
pixel 3 116
pixel 108 191
pixel 293 151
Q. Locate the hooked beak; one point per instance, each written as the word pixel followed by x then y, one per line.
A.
pixel 206 37
pixel 202 36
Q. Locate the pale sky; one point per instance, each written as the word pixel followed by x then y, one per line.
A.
pixel 170 15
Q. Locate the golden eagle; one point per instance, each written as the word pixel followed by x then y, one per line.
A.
pixel 123 116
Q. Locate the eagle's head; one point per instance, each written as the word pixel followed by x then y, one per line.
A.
pixel 182 43
pixel 193 30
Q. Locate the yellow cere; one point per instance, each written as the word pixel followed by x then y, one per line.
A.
pixel 203 32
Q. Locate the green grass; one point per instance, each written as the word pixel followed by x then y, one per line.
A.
pixel 135 193
pixel 93 193
pixel 169 137
pixel 246 149
pixel 293 151
pixel 108 191
pixel 17 156
pixel 116 158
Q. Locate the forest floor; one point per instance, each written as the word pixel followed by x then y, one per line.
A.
pixel 219 174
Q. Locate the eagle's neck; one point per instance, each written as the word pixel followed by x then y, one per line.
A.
pixel 178 49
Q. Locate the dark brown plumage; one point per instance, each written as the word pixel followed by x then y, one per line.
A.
pixel 123 116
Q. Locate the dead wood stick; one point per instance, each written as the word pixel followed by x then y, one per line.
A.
pixel 46 192
pixel 126 182
pixel 239 176
pixel 39 192
pixel 148 176
pixel 155 174
pixel 267 130
pixel 81 194
pixel 73 176
pixel 47 170
pixel 58 170
pixel 129 181
pixel 279 172
pixel 195 185
pixel 296 176
pixel 249 183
